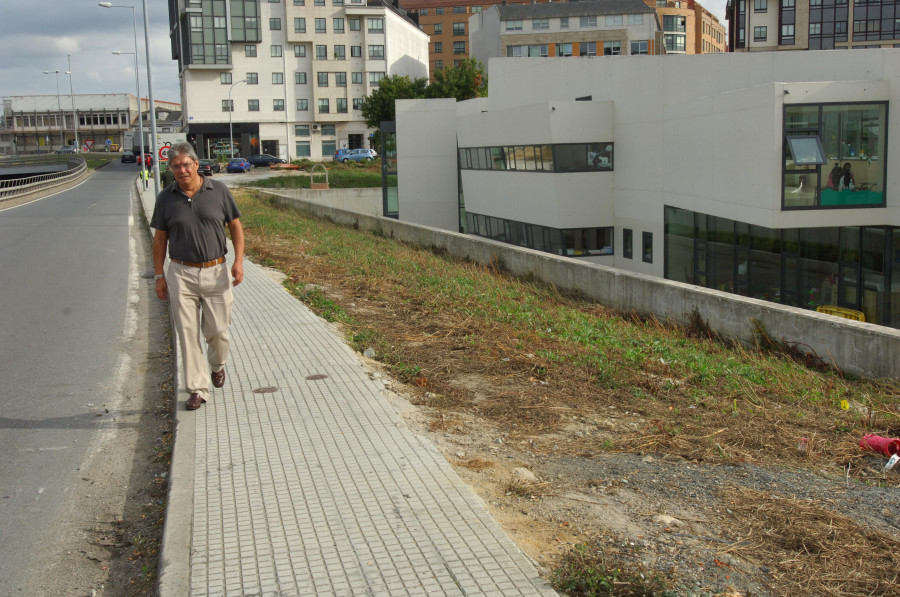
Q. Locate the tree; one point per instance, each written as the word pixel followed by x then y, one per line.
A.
pixel 379 105
pixel 463 82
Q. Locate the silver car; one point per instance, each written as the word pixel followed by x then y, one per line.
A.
pixel 358 155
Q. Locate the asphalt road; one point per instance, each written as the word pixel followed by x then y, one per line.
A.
pixel 67 275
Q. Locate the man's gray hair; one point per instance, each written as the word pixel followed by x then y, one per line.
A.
pixel 183 148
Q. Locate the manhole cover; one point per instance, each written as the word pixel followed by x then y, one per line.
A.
pixel 316 376
pixel 265 390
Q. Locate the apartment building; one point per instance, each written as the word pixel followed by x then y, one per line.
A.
pixel 287 77
pixel 770 25
pixel 591 28
pixel 611 161
pixel 41 123
pixel 688 28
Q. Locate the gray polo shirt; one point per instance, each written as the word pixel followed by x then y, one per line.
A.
pixel 195 226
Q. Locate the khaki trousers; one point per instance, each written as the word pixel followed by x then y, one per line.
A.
pixel 201 300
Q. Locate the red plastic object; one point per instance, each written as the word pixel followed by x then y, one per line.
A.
pixel 885 445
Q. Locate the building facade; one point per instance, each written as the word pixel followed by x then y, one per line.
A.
pixel 611 161
pixel 42 123
pixel 287 77
pixel 770 25
pixel 587 29
pixel 688 28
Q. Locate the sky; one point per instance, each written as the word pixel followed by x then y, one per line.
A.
pixel 36 36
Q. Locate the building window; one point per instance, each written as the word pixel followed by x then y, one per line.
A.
pixel 356 51
pixel 323 106
pixel 438 47
pixel 536 25
pixel 529 51
pixel 250 51
pixel 647 246
pixel 423 12
pixel 834 155
pixel 376 52
pixel 275 24
pixel 322 79
pixel 227 106
pixel 329 146
pixel 613 21
pixel 252 78
pixel 320 25
pixel 375 78
pixel 459 47
pixel 321 52
pixel 299 25
pixel 278 105
pixel 475 9
pixel 513 25
pixel 277 78
pixel 301 130
pixel 302 105
pixel 637 19
pixel 275 51
pixel 355 24
pixel 640 47
pixel 815 28
pixel 587 22
pixel 564 22
pixel 328 129
pixel 341 105
pixel 674 23
pixel 627 243
pixel 439 10
pixel 340 52
pixel 358 102
pixel 299 2
pixel 340 79
pixel 375 25
pixel 759 34
pixel 225 78
pixel 438 65
pixel 761 5
pixel 612 48
pixel 300 78
pixel 564 49
pixel 356 78
pixel 459 28
pixel 438 29
pixel 300 51
pixel 459 10
pixel 337 25
pixel 253 105
pixel 674 42
pixel 302 149
pixel 319 3
pixel 787 34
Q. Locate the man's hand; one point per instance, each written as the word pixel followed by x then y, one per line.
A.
pixel 162 289
pixel 237 273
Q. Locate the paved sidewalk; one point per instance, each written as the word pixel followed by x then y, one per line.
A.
pixel 299 478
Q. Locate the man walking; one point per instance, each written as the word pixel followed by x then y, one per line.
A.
pixel 190 219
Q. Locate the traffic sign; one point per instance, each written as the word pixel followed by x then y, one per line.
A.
pixel 164 153
pixel 88 144
pixel 109 141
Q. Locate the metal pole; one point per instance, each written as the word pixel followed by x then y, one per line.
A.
pixel 58 106
pixel 72 95
pixel 137 85
pixel 152 105
pixel 230 119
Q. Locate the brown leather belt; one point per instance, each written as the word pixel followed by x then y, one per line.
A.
pixel 204 264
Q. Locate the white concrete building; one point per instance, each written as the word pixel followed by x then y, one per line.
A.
pixel 295 71
pixel 725 182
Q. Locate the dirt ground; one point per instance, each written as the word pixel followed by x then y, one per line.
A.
pixel 662 493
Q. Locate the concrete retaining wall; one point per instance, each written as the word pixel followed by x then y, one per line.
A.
pixel 855 347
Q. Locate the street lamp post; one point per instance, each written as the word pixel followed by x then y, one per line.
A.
pixel 72 95
pixel 62 140
pixel 230 119
pixel 154 149
pixel 137 84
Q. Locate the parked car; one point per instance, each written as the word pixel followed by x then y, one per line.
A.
pixel 128 156
pixel 339 154
pixel 264 159
pixel 66 149
pixel 238 165
pixel 209 167
pixel 358 155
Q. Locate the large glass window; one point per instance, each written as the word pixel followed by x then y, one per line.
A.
pixel 567 157
pixel 834 155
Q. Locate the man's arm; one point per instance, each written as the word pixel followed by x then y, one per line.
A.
pixel 160 244
pixel 237 239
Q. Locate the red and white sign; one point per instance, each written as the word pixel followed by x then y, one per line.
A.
pixel 88 144
pixel 164 153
